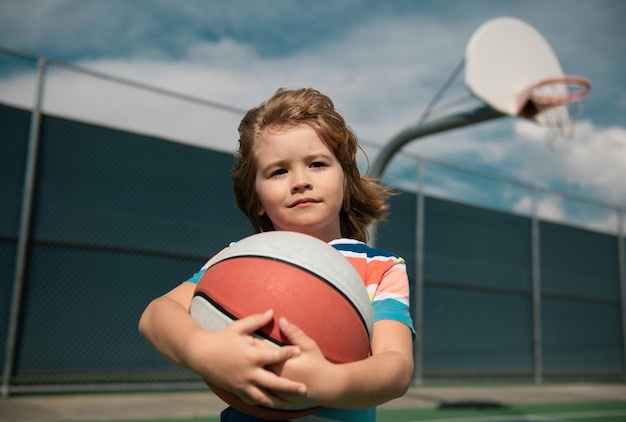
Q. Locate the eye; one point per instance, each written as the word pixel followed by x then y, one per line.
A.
pixel 278 172
pixel 318 164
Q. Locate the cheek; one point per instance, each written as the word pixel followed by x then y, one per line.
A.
pixel 345 193
pixel 260 208
pixel 265 197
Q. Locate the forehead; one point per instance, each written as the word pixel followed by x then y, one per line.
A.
pixel 284 129
pixel 292 138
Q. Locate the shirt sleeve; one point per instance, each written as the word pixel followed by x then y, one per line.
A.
pixel 391 295
pixel 196 277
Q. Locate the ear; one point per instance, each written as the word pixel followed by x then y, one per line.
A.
pixel 260 211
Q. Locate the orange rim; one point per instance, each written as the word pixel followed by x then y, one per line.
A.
pixel 580 84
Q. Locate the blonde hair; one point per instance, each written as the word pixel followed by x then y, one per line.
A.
pixel 365 201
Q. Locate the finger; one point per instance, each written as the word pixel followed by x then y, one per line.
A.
pixel 269 381
pixel 272 354
pixel 261 397
pixel 252 323
pixel 294 334
pixel 277 353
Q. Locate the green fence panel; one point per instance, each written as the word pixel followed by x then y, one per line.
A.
pixel 581 303
pixel 476 246
pixel 14 129
pixel 120 218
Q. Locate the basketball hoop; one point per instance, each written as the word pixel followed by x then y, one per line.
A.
pixel 555 103
pixel 512 68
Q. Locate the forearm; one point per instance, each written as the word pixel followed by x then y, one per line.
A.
pixel 167 326
pixel 229 358
pixel 369 382
pixel 381 377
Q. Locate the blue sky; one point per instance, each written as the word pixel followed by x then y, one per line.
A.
pixel 381 61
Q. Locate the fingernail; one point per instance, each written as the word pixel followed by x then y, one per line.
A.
pixel 302 389
pixel 269 312
pixel 283 322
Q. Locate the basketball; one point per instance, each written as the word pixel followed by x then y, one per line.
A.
pixel 301 278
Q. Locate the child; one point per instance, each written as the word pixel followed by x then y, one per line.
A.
pixel 296 170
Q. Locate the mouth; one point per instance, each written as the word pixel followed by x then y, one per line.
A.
pixel 303 202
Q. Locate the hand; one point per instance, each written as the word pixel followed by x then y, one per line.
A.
pixel 237 362
pixel 311 367
pixel 381 377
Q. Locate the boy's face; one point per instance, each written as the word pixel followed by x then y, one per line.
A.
pixel 299 182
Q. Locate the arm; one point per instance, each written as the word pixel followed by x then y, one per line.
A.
pixel 381 377
pixel 230 358
pixel 387 372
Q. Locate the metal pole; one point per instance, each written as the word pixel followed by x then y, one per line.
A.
pixel 418 297
pixel 536 290
pixel 621 258
pixel 24 233
pixel 420 130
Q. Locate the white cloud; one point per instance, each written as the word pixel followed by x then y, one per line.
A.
pixel 594 160
pixel 555 208
pixel 548 208
pixel 19 90
pixel 597 158
pixel 374 82
pixel 380 74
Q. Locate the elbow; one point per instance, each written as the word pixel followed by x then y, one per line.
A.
pixel 402 379
pixel 406 384
pixel 405 378
pixel 142 326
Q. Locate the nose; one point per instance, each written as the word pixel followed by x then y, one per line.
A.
pixel 300 182
pixel 300 187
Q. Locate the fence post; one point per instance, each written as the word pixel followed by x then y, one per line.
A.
pixel 418 297
pixel 23 240
pixel 621 258
pixel 536 289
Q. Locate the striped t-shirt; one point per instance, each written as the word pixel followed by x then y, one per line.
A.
pixel 387 283
pixel 385 278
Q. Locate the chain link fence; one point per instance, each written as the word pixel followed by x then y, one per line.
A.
pixel 106 219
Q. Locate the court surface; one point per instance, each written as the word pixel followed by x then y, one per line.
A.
pixel 483 403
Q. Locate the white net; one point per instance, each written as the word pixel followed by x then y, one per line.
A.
pixel 560 121
pixel 559 103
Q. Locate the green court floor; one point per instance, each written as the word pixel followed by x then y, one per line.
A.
pixel 558 412
pixel 580 412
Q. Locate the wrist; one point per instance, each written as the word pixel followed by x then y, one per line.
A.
pixel 195 352
pixel 336 386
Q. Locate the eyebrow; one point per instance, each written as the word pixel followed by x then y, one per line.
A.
pixel 311 157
